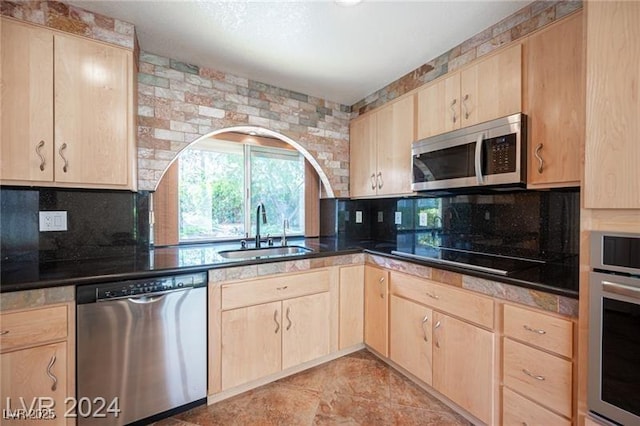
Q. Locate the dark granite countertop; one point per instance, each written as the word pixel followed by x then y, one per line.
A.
pixel 27 273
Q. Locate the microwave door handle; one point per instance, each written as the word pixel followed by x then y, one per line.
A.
pixel 479 143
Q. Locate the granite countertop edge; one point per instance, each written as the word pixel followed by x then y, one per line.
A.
pixel 318 252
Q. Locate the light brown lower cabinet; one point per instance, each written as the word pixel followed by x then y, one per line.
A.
pixel 351 329
pixel 261 340
pixel 376 309
pixel 410 334
pixel 518 410
pixel 463 365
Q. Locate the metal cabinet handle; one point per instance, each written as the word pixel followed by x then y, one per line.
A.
pixel 534 330
pixel 530 374
pixel 288 319
pixel 381 281
pixel 373 181
pixel 432 295
pixel 54 386
pixel 435 327
pixel 464 105
pixel 4 332
pixel 282 288
pixel 380 181
pixel 38 151
pixel 275 319
pixel 424 330
pixel 66 163
pixel 539 157
pixel 453 111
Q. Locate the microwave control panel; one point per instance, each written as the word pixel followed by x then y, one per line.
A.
pixel 500 153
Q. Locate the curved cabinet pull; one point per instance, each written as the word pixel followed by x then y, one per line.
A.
pixel 282 288
pixel 465 107
pixel 288 319
pixel 4 332
pixel 432 295
pixel 424 330
pixel 54 385
pixel 380 181
pixel 530 374
pixel 39 152
pixel 381 281
pixel 275 319
pixel 66 163
pixel 453 111
pixel 534 330
pixel 539 157
pixel 373 181
pixel 435 327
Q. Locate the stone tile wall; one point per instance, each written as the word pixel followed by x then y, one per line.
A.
pixel 73 20
pixel 178 103
pixel 520 24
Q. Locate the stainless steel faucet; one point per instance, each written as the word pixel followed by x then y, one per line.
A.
pixel 285 226
pixel 264 221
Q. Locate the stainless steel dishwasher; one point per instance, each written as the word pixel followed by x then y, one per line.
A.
pixel 143 342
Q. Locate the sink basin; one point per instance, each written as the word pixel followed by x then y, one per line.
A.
pixel 258 253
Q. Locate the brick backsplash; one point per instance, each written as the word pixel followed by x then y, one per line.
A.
pixel 526 20
pixel 178 103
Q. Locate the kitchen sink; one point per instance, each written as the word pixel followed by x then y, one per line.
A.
pixel 258 253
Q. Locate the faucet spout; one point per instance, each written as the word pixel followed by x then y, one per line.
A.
pixel 260 209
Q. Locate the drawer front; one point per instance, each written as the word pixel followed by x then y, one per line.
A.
pixel 538 329
pixel 270 289
pixel 460 303
pixel 540 376
pixel 30 328
pixel 518 410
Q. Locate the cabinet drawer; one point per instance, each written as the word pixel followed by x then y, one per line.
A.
pixel 518 410
pixel 29 328
pixel 460 303
pixel 544 331
pixel 540 376
pixel 270 289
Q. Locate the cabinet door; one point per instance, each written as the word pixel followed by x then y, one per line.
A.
pixel 376 309
pixel 27 103
pixel 38 372
pixel 463 365
pixel 410 337
pixel 251 343
pixel 363 154
pixel 351 306
pixel 395 133
pixel 93 110
pixel 555 103
pixel 493 87
pixel 306 329
pixel 439 107
pixel 612 147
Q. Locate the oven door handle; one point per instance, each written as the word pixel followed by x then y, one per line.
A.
pixel 621 289
pixel 479 143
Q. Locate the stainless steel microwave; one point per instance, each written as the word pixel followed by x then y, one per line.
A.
pixel 486 154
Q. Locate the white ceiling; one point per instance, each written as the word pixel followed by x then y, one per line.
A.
pixel 320 48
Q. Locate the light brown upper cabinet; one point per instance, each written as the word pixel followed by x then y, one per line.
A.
pixel 380 144
pixel 68 117
pixel 612 144
pixel 487 89
pixel 554 103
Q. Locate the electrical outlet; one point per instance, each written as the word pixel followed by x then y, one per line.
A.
pixel 380 217
pixel 398 218
pixel 422 219
pixel 487 215
pixel 53 221
pixel 358 216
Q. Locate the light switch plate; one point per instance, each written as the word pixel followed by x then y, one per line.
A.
pixel 53 221
pixel 380 217
pixel 358 216
pixel 398 218
pixel 422 218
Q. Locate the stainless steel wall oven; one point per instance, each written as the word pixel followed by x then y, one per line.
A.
pixel 614 327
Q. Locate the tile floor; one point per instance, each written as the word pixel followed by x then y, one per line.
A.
pixel 357 389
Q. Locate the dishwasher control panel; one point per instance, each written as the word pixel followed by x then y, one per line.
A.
pixel 139 287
